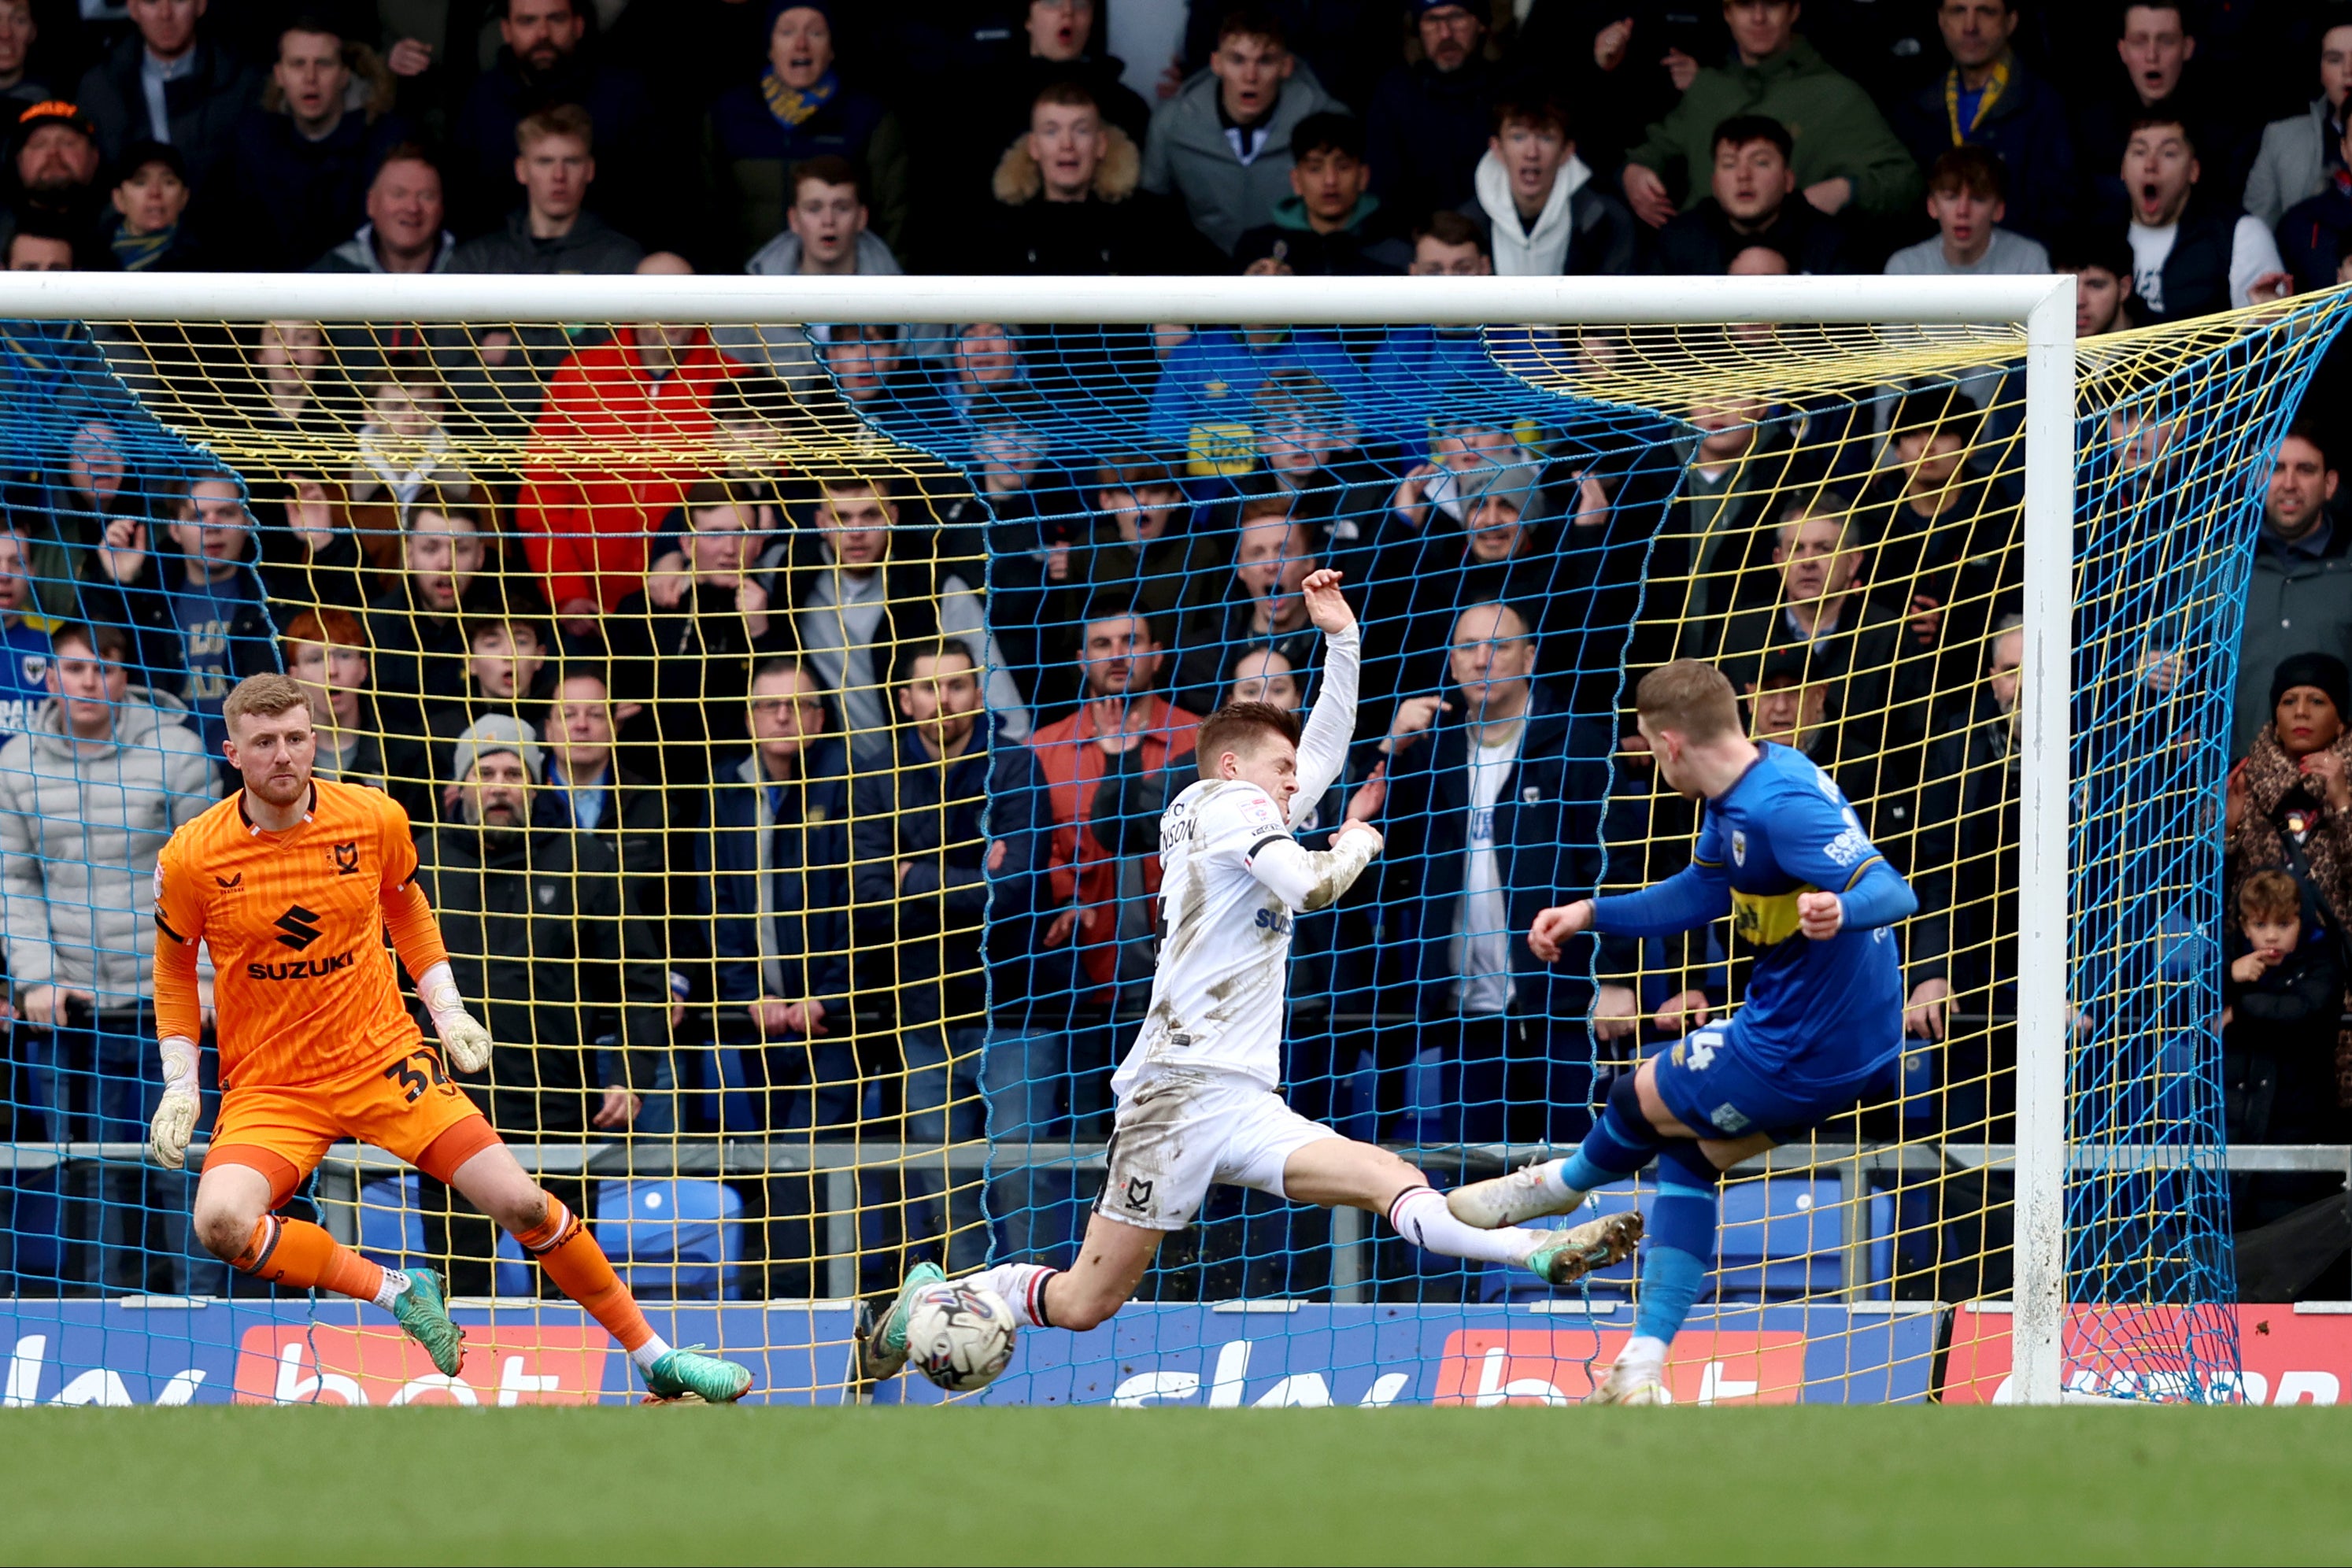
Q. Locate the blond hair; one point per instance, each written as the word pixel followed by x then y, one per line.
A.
pixel 1693 699
pixel 264 697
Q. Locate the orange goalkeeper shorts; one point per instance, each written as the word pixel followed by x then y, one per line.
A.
pixel 408 1108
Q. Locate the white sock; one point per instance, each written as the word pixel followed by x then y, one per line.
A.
pixel 1022 1285
pixel 394 1282
pixel 652 1351
pixel 1552 1178
pixel 1645 1352
pixel 1421 1216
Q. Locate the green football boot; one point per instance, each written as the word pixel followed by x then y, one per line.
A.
pixel 882 1345
pixel 1571 1255
pixel 424 1318
pixel 688 1374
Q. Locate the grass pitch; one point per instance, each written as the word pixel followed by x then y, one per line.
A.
pixel 1462 1487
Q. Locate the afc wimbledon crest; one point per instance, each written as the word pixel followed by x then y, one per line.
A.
pixel 1738 846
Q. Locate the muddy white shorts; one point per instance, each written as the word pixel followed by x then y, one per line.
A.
pixel 1179 1133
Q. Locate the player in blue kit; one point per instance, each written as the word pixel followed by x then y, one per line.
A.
pixel 1782 853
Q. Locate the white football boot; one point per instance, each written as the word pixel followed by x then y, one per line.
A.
pixel 1515 1199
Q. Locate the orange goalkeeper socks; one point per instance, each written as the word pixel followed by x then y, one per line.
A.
pixel 296 1253
pixel 574 1261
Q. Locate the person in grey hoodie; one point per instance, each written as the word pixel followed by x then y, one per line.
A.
pixel 825 236
pixel 1223 143
pixel 88 798
pixel 1543 216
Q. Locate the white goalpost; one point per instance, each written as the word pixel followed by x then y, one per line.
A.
pixel 2038 309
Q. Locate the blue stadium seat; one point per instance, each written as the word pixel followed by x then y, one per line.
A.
pixel 1776 1240
pixel 392 1223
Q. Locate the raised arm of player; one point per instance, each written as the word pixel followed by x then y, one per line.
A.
pixel 179 1011
pixel 416 937
pixel 1331 724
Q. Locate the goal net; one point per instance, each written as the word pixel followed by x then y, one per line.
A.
pixel 784 713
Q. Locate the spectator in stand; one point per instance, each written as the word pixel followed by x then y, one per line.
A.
pixel 869 364
pixel 827 233
pixel 2311 235
pixel 586 525
pixel 38 247
pixel 1752 181
pixel 147 231
pixel 1066 202
pixel 946 841
pixel 1223 141
pixel 304 157
pixel 293 378
pixel 777 860
pixel 686 666
pixel 1966 197
pixel 2302 154
pixel 1430 122
pixel 23 637
pixel 1844 156
pixel 859 586
pixel 539 938
pixel 172 84
pixel 1535 200
pixel 2101 262
pixel 2156 42
pixel 1143 553
pixel 1494 795
pixel 1990 98
pixel 415 634
pixel 19 33
pixel 1940 530
pixel 1853 639
pixel 88 797
pixel 404 444
pixel 54 167
pixel 2190 260
pixel 799 108
pixel 326 653
pixel 2288 806
pixel 1100 901
pixel 506 673
pixel 1207 390
pixel 551 232
pixel 1273 555
pixel 404 232
pixel 1331 226
pixel 2283 1004
pixel 198 611
pixel 547 59
pixel 314 551
pixel 2299 599
pixel 1060 36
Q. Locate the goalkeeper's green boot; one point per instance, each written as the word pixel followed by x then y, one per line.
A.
pixel 882 1342
pixel 424 1318
pixel 1596 1244
pixel 690 1374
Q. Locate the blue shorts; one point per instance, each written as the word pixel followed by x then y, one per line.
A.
pixel 1709 1080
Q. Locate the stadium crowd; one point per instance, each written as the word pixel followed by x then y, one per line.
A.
pixel 765 799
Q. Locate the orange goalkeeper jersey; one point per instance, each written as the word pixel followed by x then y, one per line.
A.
pixel 303 988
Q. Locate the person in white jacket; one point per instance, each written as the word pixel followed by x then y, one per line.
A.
pixel 1543 216
pixel 89 796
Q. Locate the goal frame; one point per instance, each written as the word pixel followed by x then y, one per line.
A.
pixel 2043 305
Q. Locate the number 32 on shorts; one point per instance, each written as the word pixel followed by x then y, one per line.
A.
pixel 416 1079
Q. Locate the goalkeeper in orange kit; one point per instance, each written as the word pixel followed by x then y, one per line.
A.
pixel 291 883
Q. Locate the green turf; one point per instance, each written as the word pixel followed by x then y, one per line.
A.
pixel 1456 1486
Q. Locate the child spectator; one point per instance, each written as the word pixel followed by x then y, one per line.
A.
pixel 1967 196
pixel 2283 997
pixel 145 232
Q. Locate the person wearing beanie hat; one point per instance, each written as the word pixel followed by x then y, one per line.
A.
pixel 489 735
pixel 2320 672
pixel 2288 806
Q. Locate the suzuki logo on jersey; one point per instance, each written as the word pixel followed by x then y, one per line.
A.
pixel 300 926
pixel 1275 921
pixel 301 968
pixel 347 859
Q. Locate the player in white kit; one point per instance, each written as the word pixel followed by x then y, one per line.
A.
pixel 1197 1093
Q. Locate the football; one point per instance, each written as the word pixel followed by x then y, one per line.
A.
pixel 960 1336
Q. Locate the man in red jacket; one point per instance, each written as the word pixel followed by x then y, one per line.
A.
pixel 608 458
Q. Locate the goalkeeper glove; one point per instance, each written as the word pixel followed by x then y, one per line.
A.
pixel 464 1042
pixel 175 1119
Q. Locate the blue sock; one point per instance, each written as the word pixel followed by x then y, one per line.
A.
pixel 1620 1143
pixel 1681 1236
